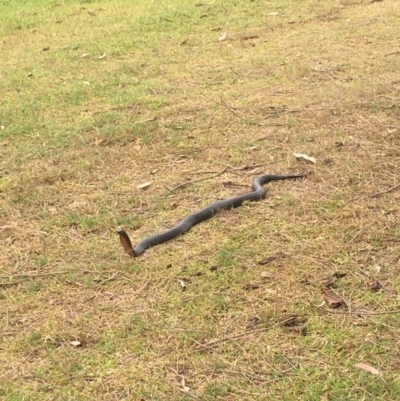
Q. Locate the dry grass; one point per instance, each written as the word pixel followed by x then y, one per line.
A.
pixel 168 103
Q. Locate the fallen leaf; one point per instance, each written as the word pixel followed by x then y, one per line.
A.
pixel 85 55
pixel 144 185
pixel 273 14
pixel 374 285
pixel 333 300
pixel 291 320
pixel 222 37
pixel 267 260
pixel 248 37
pixel 250 286
pixel 252 322
pixel 183 284
pixel 333 279
pixel 295 326
pixel 75 343
pixel 339 275
pixel 367 368
pixel 184 42
pixel 103 56
pixel 268 275
pixel 377 268
pixel 305 157
pixel 270 292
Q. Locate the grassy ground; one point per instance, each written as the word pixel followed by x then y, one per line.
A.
pixel 98 97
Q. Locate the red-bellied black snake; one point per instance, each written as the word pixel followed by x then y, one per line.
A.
pixel 259 192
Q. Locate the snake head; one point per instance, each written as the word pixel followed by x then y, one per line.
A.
pixel 126 242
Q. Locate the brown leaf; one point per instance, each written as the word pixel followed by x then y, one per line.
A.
pixel 252 322
pixel 333 300
pixel 294 324
pixel 251 286
pixel 248 37
pixel 374 285
pixel 267 260
pixel 367 368
pixel 333 279
pixel 339 275
pixel 291 320
pixel 268 275
pixel 144 185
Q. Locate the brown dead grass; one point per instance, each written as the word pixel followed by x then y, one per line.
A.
pixel 321 79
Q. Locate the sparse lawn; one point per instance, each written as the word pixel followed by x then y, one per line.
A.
pixel 98 97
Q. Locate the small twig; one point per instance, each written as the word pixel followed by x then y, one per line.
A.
pixel 16 367
pixel 232 110
pixel 107 280
pixel 192 182
pixel 26 277
pixel 213 343
pixel 358 233
pixel 200 172
pixel 188 152
pixel 392 53
pixel 144 286
pixel 12 283
pixel 246 76
pixel 353 312
pixel 387 191
pixel 247 167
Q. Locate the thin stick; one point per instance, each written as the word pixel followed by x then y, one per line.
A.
pixel 107 280
pixel 393 312
pixel 29 276
pixel 192 182
pixel 392 53
pixel 144 286
pixel 385 192
pixel 243 334
pixel 35 275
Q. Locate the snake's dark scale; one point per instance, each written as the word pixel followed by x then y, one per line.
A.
pixel 259 192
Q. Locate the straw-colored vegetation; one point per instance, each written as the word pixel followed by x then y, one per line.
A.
pixel 99 97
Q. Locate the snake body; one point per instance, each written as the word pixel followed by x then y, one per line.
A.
pixel 259 192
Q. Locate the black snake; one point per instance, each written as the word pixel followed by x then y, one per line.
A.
pixel 259 192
